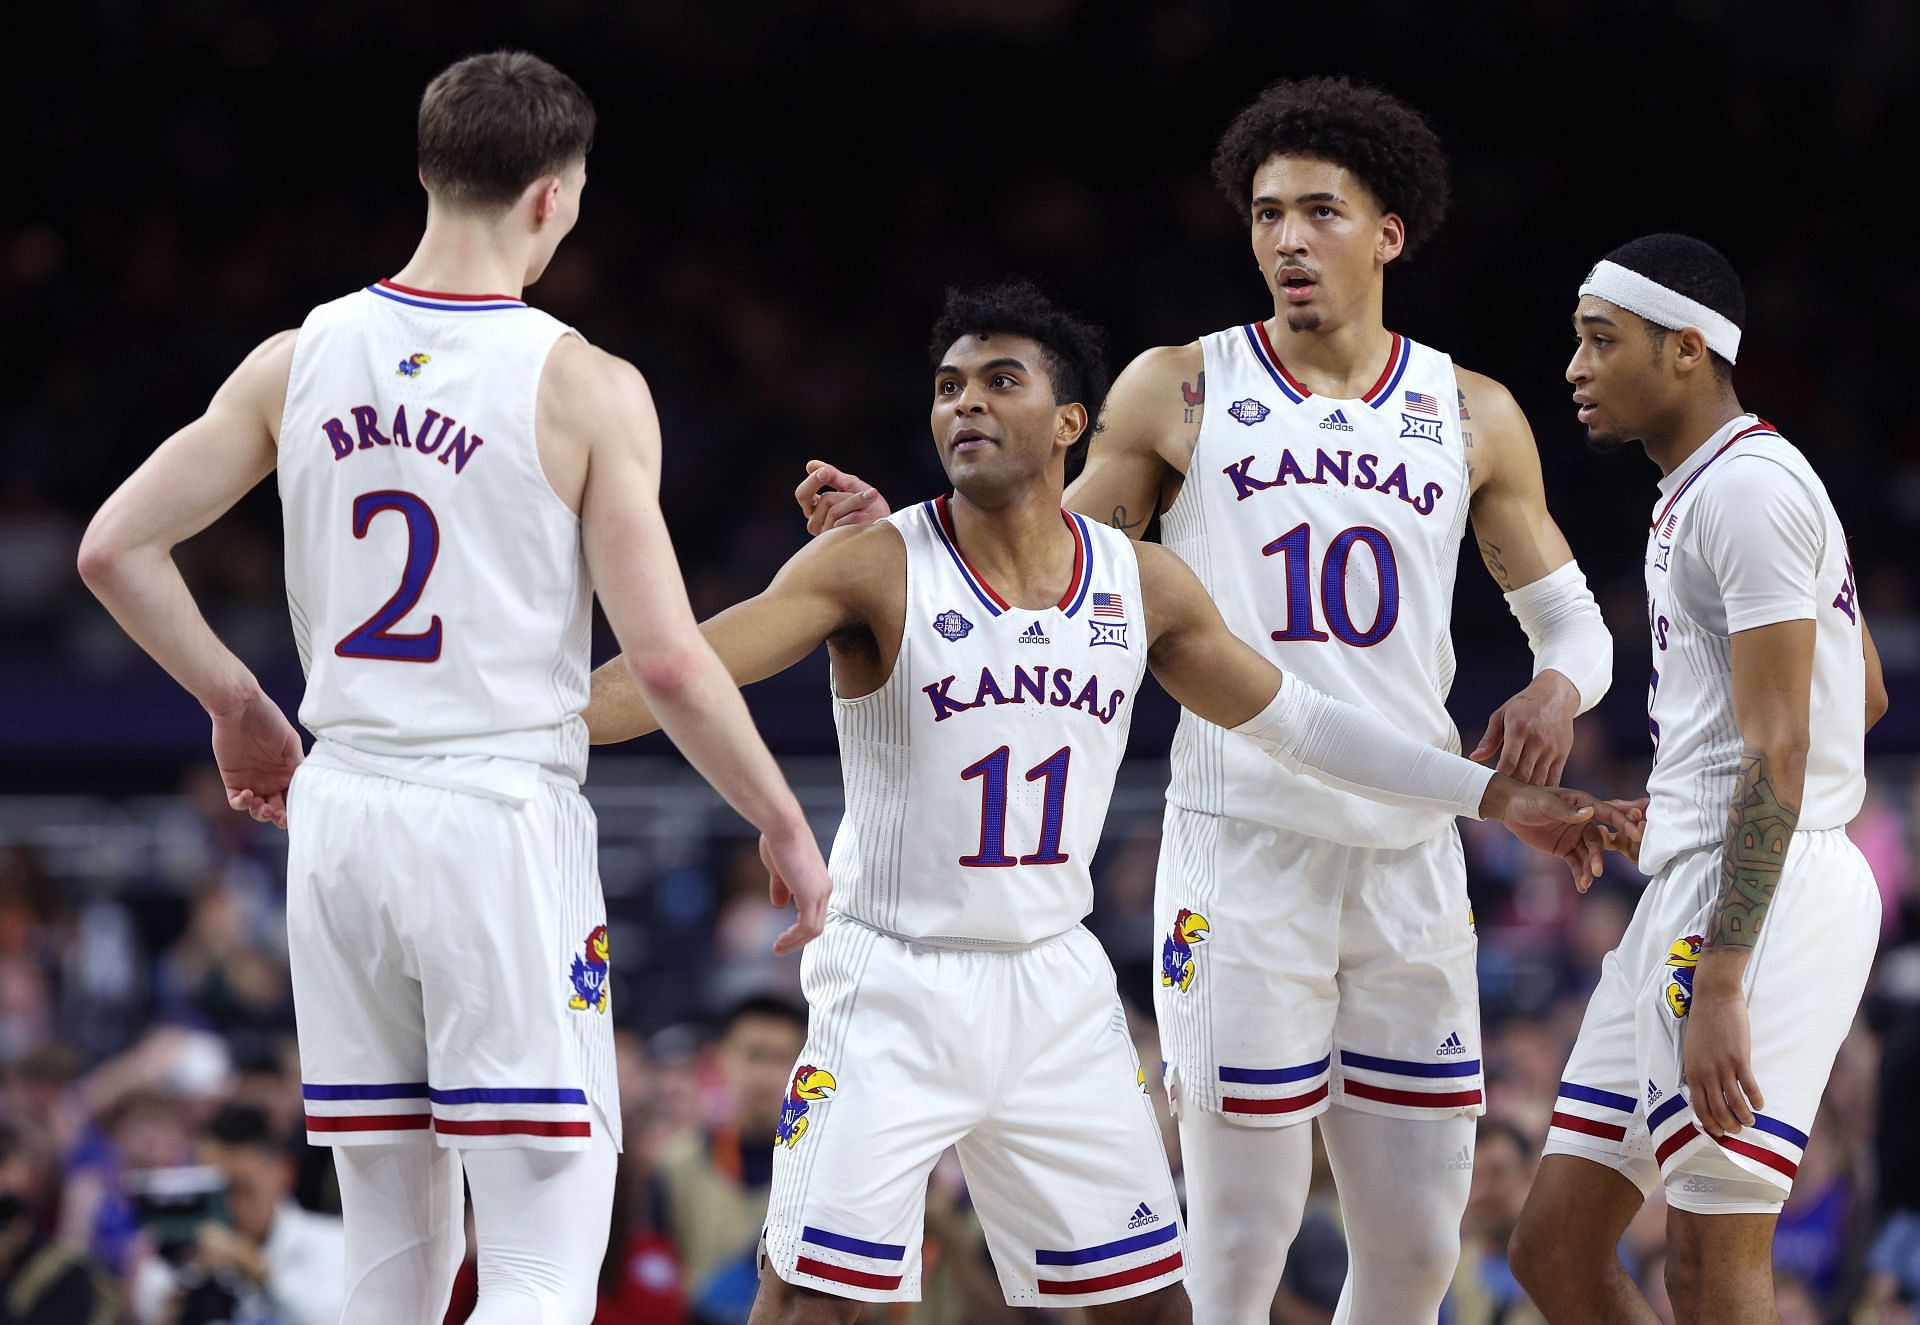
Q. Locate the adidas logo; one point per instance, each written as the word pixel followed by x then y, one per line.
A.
pixel 1337 422
pixel 1142 1217
pixel 1451 1046
pixel 1035 635
pixel 1653 1092
pixel 1462 1161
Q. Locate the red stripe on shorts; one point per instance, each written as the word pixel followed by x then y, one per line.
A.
pixel 510 1127
pixel 1761 1153
pixel 1674 1142
pixel 1118 1279
pixel 368 1122
pixel 1419 1099
pixel 1573 1122
pixel 1234 1104
pixel 840 1274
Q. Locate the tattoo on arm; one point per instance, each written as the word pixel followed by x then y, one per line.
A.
pixel 1759 827
pixel 1490 553
pixel 1463 403
pixel 1122 518
pixel 1193 394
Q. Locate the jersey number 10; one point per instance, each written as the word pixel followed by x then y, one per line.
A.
pixel 1294 548
pixel 992 772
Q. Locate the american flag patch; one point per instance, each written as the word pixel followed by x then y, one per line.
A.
pixel 1421 403
pixel 1108 604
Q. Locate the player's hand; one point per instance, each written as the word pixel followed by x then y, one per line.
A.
pixel 1557 820
pixel 830 499
pixel 1716 1056
pixel 1533 732
pixel 257 751
pixel 1628 843
pixel 796 874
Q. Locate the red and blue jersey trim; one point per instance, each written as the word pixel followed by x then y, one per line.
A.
pixel 1759 429
pixel 1070 601
pixel 443 302
pixel 1398 355
pixel 1383 1092
pixel 893 1252
pixel 1769 1142
pixel 342 1107
pixel 1108 1251
pixel 1304 1098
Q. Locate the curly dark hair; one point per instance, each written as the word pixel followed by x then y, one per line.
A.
pixel 1072 349
pixel 1381 139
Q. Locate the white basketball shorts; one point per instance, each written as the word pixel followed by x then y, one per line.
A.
pixel 1622 1102
pixel 450 964
pixel 1020 1059
pixel 1295 973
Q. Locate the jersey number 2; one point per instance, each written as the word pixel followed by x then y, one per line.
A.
pixel 372 638
pixel 1294 548
pixel 992 772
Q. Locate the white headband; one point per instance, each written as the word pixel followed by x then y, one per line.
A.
pixel 1662 306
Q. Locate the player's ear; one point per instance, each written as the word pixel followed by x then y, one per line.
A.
pixel 1069 423
pixel 1393 237
pixel 1689 350
pixel 546 201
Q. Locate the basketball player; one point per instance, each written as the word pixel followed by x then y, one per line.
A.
pixel 986 650
pixel 458 473
pixel 1333 466
pixel 1707 1044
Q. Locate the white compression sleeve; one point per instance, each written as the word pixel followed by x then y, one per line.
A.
pixel 1348 746
pixel 1566 632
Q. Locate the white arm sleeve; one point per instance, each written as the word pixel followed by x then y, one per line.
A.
pixel 1760 532
pixel 1566 632
pixel 1352 748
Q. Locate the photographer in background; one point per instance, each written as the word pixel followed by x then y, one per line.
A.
pixel 42 1283
pixel 255 1256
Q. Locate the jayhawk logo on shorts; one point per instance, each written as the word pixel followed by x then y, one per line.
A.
pixel 412 364
pixel 810 1083
pixel 1683 956
pixel 1176 954
pixel 589 974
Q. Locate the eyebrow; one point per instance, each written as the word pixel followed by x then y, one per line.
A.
pixel 1305 197
pixel 1594 319
pixel 988 366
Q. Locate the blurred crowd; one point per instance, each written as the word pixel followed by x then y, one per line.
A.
pixel 152 1166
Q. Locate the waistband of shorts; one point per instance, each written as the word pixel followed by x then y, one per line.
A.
pixel 487 776
pixel 1836 833
pixel 960 942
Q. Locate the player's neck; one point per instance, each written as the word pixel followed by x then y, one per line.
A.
pixel 1022 548
pixel 458 255
pixel 1337 361
pixel 1690 429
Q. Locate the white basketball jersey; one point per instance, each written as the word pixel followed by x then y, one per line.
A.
pixel 1327 532
pixel 439 597
pixel 977 778
pixel 1696 739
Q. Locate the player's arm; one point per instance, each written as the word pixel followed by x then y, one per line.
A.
pixel 1760 533
pixel 591 399
pixel 1528 557
pixel 1877 701
pixel 1215 675
pixel 822 591
pixel 126 558
pixel 1143 437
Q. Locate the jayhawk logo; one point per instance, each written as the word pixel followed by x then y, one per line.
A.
pixel 1176 954
pixel 412 364
pixel 810 1083
pixel 589 974
pixel 1683 956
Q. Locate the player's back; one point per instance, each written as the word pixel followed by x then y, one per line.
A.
pixel 978 775
pixel 1328 533
pixel 439 596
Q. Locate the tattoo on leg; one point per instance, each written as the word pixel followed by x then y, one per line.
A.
pixel 1759 828
pixel 1490 553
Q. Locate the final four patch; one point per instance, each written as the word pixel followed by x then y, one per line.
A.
pixel 952 625
pixel 1248 411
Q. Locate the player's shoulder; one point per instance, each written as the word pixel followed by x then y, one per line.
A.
pixel 261 380
pixel 1162 572
pixel 1163 363
pixel 865 564
pixel 584 387
pixel 1482 395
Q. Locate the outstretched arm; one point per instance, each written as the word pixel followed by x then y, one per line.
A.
pixel 823 590
pixel 1529 559
pixel 126 558
pixel 1214 674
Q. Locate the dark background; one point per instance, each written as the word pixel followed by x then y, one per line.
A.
pixel 779 193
